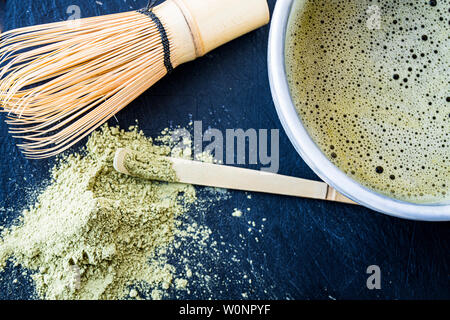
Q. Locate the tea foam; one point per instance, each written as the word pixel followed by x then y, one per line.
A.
pixel 370 82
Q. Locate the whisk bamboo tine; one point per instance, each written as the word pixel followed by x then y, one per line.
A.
pixel 61 81
pixel 55 136
pixel 102 94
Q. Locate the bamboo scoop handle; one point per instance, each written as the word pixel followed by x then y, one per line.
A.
pixel 220 176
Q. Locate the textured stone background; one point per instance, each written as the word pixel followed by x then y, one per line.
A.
pixel 309 249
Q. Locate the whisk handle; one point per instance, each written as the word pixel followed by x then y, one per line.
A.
pixel 213 23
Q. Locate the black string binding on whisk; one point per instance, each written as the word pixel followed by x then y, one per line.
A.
pixel 162 31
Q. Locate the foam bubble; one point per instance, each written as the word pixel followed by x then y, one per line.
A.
pixel 376 101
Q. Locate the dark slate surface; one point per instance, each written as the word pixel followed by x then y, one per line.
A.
pixel 310 249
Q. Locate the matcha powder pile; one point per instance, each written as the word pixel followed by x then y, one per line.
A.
pixel 97 234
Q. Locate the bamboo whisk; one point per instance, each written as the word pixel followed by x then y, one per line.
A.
pixel 61 81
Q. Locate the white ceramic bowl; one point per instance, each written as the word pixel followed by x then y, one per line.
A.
pixel 311 153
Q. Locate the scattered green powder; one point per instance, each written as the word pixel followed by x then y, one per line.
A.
pixel 237 213
pixel 95 233
pixel 149 167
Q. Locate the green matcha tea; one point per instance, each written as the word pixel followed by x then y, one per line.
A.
pixel 370 82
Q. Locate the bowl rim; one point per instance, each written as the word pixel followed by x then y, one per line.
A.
pixel 311 153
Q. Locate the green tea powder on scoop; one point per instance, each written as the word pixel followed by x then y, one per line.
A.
pixel 149 167
pixel 95 233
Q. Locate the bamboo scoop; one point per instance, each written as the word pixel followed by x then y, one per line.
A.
pixel 220 176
